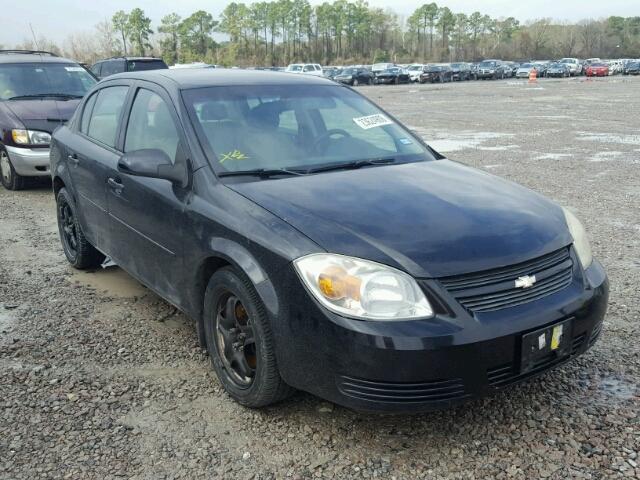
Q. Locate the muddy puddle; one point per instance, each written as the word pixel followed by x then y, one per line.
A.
pixel 112 281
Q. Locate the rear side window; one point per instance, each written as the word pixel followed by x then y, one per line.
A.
pixel 103 124
pixel 86 113
pixel 112 67
pixel 151 125
pixel 96 69
pixel 140 65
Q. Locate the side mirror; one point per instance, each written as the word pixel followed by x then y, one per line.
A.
pixel 152 163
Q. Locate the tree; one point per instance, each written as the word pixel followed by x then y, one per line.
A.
pixel 429 14
pixel 139 27
pixel 170 27
pixel 195 34
pixel 446 22
pixel 120 22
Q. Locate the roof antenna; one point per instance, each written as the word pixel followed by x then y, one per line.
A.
pixel 35 40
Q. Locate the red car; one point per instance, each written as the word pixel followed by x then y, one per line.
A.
pixel 598 70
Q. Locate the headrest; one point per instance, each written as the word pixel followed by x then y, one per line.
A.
pixel 213 111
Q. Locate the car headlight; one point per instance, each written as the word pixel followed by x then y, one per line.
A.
pixel 362 289
pixel 30 137
pixel 580 240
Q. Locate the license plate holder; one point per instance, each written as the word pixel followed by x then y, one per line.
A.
pixel 546 345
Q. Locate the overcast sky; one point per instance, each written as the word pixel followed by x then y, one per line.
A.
pixel 55 19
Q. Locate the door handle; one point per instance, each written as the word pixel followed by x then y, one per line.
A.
pixel 116 185
pixel 73 158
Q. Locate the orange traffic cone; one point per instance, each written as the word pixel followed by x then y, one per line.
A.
pixel 533 76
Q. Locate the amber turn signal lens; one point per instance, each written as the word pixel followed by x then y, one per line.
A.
pixel 335 283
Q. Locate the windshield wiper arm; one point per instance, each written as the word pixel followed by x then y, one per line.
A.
pixel 352 165
pixel 262 172
pixel 45 95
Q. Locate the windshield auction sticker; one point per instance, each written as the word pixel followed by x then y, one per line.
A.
pixel 371 121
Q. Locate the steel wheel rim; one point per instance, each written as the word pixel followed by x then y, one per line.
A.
pixel 5 167
pixel 68 228
pixel 235 340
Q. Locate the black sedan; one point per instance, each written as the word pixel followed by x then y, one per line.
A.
pixel 355 77
pixel 436 74
pixel 393 75
pixel 560 70
pixel 461 71
pixel 632 68
pixel 318 244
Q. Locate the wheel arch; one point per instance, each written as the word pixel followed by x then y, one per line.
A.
pixel 227 253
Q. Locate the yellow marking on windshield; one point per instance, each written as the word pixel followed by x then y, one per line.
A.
pixel 233 155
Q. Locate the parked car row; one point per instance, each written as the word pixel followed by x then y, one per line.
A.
pixel 57 84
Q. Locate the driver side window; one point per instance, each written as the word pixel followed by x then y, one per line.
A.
pixel 151 125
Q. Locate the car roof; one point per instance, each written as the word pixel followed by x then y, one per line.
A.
pixel 139 59
pixel 32 58
pixel 187 78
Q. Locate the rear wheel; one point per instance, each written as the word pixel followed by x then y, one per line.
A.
pixel 79 252
pixel 8 176
pixel 240 341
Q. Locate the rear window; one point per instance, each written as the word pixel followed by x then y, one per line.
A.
pixel 140 65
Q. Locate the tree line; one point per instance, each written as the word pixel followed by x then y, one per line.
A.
pixel 284 31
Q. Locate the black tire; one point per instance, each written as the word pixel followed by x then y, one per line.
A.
pixel 266 385
pixel 79 252
pixel 8 176
pixel 397 80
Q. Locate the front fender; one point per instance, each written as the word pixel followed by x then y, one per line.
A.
pixel 241 258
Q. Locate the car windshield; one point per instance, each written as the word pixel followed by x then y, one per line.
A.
pixel 23 80
pixel 415 67
pixel 487 64
pixel 434 68
pixel 295 68
pixel 526 65
pixel 456 65
pixel 348 71
pixel 297 127
pixel 391 70
pixel 140 65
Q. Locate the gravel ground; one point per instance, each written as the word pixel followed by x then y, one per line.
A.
pixel 99 378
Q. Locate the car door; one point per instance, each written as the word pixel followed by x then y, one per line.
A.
pixel 90 151
pixel 147 214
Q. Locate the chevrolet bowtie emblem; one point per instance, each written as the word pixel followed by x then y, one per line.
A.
pixel 526 281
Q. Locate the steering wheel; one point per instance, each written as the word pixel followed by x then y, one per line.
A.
pixel 328 134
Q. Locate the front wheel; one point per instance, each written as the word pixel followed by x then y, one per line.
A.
pixel 79 252
pixel 240 342
pixel 8 176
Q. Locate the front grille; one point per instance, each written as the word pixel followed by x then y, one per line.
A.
pixel 400 392
pixel 495 289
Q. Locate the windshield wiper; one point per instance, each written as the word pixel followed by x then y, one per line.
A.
pixel 352 165
pixel 262 172
pixel 46 95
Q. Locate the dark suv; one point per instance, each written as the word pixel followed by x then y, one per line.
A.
pixel 38 92
pixel 491 69
pixel 111 66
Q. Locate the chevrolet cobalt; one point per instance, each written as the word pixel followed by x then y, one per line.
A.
pixel 319 244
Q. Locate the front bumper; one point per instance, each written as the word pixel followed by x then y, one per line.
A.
pixel 431 364
pixel 29 162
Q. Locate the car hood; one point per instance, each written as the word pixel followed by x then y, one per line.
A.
pixel 43 114
pixel 431 219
